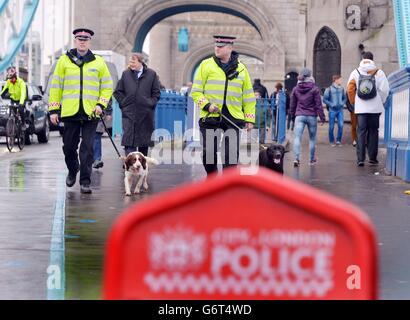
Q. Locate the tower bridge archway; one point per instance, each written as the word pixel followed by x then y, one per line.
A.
pixel 122 26
pixel 206 51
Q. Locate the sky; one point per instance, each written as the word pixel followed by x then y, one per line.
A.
pixel 56 25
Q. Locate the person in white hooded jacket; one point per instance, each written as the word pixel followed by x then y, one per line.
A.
pixel 368 111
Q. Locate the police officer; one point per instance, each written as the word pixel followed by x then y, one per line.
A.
pixel 18 92
pixel 223 91
pixel 81 88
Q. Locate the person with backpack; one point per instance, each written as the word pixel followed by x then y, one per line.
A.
pixel 335 99
pixel 368 89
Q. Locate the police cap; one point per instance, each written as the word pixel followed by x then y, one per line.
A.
pixel 83 32
pixel 221 41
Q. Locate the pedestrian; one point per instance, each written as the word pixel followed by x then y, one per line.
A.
pixel 223 91
pixel 258 86
pixel 353 122
pixel 17 90
pixel 335 99
pixel 368 89
pixel 263 116
pixel 137 93
pixel 98 163
pixel 290 124
pixel 81 88
pixel 305 107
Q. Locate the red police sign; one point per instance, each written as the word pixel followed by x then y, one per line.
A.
pixel 242 237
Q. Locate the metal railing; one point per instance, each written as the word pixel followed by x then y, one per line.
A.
pixel 171 118
pixel 402 22
pixel 397 125
pixel 271 118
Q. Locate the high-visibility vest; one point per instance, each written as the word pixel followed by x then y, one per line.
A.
pixel 70 83
pixel 212 86
pixel 17 91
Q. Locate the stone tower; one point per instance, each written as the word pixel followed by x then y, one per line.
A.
pixel 281 36
pixel 277 40
pixel 338 31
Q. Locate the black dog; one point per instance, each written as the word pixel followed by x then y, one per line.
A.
pixel 272 157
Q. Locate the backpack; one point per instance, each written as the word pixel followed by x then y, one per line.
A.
pixel 366 88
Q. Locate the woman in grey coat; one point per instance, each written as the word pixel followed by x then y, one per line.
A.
pixel 137 93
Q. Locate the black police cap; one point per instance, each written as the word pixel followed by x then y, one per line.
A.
pixel 224 40
pixel 78 30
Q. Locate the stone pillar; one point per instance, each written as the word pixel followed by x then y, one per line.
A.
pixel 274 70
pixel 160 52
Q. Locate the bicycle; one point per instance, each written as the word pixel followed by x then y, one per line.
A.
pixel 14 130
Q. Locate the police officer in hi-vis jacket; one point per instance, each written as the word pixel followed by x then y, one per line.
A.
pixel 81 88
pixel 223 91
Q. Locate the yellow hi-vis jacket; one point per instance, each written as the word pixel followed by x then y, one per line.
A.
pixel 211 85
pixel 17 91
pixel 90 83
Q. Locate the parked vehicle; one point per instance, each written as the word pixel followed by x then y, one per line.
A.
pixel 37 115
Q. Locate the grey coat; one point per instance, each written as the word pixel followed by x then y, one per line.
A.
pixel 137 99
pixel 107 112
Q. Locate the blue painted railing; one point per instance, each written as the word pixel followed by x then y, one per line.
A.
pixel 402 21
pixel 397 125
pixel 17 40
pixel 271 113
pixel 170 117
pixel 173 117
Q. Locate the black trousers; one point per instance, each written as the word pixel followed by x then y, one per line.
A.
pixel 22 110
pixel 71 139
pixel 211 135
pixel 368 136
pixel 143 150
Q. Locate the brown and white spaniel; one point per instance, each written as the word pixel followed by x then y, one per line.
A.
pixel 136 165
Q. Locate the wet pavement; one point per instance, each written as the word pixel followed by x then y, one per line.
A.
pixel 28 195
pixel 28 184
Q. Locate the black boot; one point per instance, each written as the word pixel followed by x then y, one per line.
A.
pixel 71 178
pixel 85 189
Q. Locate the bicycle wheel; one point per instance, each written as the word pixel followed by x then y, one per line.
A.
pixel 10 133
pixel 21 137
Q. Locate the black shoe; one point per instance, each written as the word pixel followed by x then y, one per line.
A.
pixel 373 162
pixel 85 189
pixel 98 164
pixel 70 180
pixel 360 164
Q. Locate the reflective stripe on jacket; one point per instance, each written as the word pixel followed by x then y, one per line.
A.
pixel 210 85
pixel 90 83
pixel 18 91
